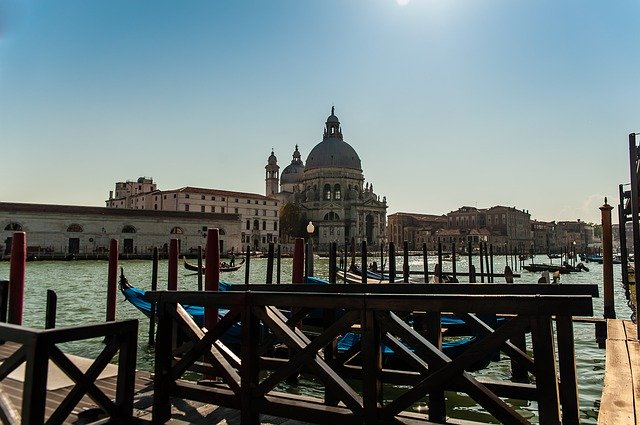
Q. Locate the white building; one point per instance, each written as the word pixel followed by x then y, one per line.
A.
pixel 331 191
pixel 85 232
pixel 258 213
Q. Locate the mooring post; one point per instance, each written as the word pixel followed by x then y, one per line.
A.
pixel 154 287
pixel 453 261
pixel 199 267
pixel 16 277
pixel 363 260
pixel 172 281
pixel 269 279
pixel 470 259
pixel 481 264
pixel 405 262
pixel 439 261
pixel 344 263
pixel 4 300
pixel 486 260
pixel 333 251
pixel 297 271
pixel 278 265
pixel 392 262
pixel 491 260
pixel 425 262
pixel 50 312
pixel 247 265
pixel 382 259
pixel 212 275
pixel 472 273
pixel 112 279
pixel 607 261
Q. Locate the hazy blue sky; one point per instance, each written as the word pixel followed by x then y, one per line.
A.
pixel 522 103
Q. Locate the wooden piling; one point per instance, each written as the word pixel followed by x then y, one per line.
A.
pixel 607 261
pixel 344 263
pixel 392 262
pixel 278 264
pixel 172 281
pixel 212 276
pixel 333 251
pixel 439 270
pixel 405 262
pixel 269 279
pixel 470 260
pixel 481 264
pixel 112 279
pixel 453 261
pixel 16 277
pixel 199 267
pixel 425 262
pixel 247 265
pixel 491 262
pixel 4 300
pixel 486 260
pixel 365 265
pixel 154 287
pixel 51 309
pixel 297 271
pixel 472 273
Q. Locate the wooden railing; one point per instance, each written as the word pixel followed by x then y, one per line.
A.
pixel 39 347
pixel 428 371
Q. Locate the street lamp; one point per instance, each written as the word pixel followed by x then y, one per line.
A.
pixel 310 229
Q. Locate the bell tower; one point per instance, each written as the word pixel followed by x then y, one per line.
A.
pixel 272 178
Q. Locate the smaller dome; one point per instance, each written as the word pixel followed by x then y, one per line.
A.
pixel 332 118
pixel 272 159
pixel 292 173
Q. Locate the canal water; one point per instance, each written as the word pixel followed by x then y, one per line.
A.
pixel 81 290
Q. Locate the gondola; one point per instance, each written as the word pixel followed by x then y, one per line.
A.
pixel 224 267
pixel 136 297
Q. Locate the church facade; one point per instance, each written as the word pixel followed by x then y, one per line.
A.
pixel 331 191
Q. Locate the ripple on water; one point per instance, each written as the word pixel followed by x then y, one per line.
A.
pixel 81 290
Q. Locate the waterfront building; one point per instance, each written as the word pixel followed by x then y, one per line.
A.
pixel 258 213
pixel 330 190
pixel 59 231
pixel 414 228
pixel 576 236
pixel 545 240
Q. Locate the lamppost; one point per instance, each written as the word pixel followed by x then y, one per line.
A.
pixel 310 229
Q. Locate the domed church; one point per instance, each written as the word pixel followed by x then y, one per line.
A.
pixel 331 190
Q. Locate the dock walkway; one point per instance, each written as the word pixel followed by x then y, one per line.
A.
pixel 59 386
pixel 620 403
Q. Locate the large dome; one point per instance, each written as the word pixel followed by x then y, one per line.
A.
pixel 333 151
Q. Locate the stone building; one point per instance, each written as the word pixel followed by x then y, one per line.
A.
pixel 55 231
pixel 331 191
pixel 414 228
pixel 258 213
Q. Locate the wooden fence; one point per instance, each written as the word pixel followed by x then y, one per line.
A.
pixel 39 347
pixel 428 371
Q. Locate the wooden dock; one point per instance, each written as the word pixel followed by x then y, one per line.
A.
pixel 620 403
pixel 87 411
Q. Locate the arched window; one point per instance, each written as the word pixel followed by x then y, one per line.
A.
pixel 75 227
pixel 326 192
pixel 256 225
pixel 177 231
pixel 337 195
pixel 13 226
pixel 128 229
pixel 331 216
pixel 221 232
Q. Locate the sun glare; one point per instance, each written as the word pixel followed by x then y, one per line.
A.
pixel 402 2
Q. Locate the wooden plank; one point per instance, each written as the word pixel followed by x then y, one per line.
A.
pixel 615 330
pixel 634 361
pixel 616 405
pixel 631 330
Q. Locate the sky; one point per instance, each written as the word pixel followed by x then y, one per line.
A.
pixel 448 103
